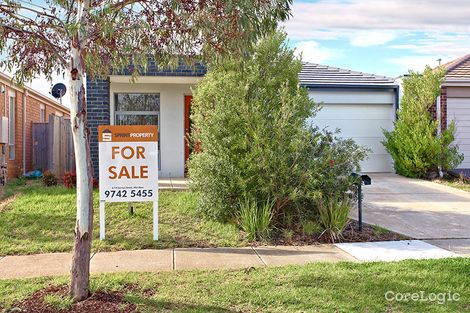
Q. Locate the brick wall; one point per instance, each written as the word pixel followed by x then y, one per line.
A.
pixel 98 114
pixel 181 70
pixel 33 104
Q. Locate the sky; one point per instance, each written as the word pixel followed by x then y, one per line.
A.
pixel 385 37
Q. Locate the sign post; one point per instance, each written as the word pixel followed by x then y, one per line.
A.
pixel 128 166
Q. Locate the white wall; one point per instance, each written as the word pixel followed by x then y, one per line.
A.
pixel 171 121
pixel 458 110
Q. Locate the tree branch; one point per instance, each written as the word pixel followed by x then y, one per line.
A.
pixel 53 48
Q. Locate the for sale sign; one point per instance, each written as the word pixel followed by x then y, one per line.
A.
pixel 128 163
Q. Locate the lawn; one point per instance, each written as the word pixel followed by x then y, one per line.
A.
pixel 36 219
pixel 317 287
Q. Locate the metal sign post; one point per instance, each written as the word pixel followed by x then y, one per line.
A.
pixel 128 165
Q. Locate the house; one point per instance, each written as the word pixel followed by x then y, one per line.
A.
pixel 20 106
pixel 359 104
pixel 454 105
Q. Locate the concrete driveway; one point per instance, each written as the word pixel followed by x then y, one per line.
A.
pixel 417 208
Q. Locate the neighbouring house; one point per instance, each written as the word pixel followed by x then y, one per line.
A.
pixel 454 105
pixel 20 107
pixel 360 104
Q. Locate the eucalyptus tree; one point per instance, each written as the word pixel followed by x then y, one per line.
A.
pixel 95 37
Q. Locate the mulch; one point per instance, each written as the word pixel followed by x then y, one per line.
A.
pixel 99 302
pixel 350 234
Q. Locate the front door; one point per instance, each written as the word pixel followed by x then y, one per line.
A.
pixel 187 130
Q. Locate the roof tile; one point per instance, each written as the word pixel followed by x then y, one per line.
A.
pixel 316 74
pixel 458 68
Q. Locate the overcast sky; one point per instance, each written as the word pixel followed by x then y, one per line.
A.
pixel 375 36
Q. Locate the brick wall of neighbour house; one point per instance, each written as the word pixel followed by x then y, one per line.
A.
pixel 443 105
pixel 98 100
pixel 33 104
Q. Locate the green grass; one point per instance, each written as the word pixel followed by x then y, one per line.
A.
pixel 42 219
pixel 318 287
pixel 58 302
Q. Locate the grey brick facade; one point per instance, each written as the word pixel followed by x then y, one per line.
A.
pixel 98 114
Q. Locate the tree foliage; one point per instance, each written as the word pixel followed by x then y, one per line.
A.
pixel 415 144
pixel 251 122
pixel 36 37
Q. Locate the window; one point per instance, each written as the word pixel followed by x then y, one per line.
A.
pixel 42 113
pixel 138 109
pixel 11 128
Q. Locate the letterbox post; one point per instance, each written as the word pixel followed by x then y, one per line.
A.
pixel 366 180
pixel 359 204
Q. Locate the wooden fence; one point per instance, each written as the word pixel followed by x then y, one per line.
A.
pixel 53 146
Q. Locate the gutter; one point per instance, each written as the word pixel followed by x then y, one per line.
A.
pixel 356 86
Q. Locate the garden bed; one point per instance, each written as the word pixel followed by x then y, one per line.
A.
pixel 319 287
pixel 350 234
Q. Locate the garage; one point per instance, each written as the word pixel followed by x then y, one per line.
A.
pixel 360 105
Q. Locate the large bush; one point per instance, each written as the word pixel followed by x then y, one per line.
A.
pixel 415 144
pixel 250 123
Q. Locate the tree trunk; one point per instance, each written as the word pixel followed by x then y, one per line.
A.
pixel 80 273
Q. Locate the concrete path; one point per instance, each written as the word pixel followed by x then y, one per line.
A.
pixel 56 264
pixel 417 208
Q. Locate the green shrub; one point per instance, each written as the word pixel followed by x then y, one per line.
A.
pixel 287 234
pixel 255 219
pixel 251 123
pixel 415 143
pixel 310 227
pixel 20 181
pixel 49 179
pixel 333 212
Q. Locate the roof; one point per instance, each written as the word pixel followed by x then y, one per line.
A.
pixel 458 69
pixel 313 74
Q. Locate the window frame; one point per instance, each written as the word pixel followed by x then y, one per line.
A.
pixel 42 113
pixel 115 113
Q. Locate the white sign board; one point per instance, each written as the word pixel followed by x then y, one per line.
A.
pixel 128 165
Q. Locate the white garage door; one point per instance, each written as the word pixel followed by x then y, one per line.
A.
pixel 458 109
pixel 362 122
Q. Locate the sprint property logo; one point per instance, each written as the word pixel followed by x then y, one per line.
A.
pixel 107 135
